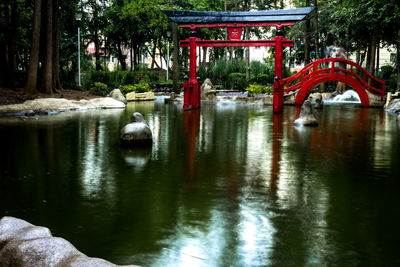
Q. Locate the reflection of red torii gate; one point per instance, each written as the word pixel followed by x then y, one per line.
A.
pixel 235 21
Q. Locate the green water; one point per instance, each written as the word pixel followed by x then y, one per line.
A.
pixel 224 186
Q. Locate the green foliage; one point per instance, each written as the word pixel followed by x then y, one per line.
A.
pixel 100 88
pixel 262 79
pixel 231 74
pixel 141 87
pixel 257 89
pixel 236 80
pixel 389 76
pixel 386 72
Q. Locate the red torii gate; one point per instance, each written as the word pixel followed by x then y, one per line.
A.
pixel 235 21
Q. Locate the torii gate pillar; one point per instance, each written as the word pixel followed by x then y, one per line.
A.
pixel 278 85
pixel 191 95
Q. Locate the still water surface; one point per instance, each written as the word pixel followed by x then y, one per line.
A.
pixel 222 186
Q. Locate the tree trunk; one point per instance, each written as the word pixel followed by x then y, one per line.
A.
pixel 204 54
pixel 307 43
pixel 120 56
pixel 317 54
pixel 307 38
pixel 56 49
pixel 175 55
pixel 47 76
pixel 131 54
pixel 12 45
pixel 358 57
pixel 377 57
pixel 34 54
pixel 373 53
pixel 154 53
pixel 247 55
pixel 316 41
pixel 398 60
pixel 151 55
pixel 368 53
pixel 96 36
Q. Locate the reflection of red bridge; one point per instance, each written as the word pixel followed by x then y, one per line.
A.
pixel 334 69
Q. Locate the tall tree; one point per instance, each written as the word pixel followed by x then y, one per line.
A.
pixel 34 54
pixel 47 76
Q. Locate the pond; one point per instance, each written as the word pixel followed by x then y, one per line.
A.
pixel 227 185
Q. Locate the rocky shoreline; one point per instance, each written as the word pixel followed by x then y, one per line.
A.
pixel 44 106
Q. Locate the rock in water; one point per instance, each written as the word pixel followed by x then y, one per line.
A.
pixel 318 102
pixel 117 95
pixel 306 117
pixel 137 132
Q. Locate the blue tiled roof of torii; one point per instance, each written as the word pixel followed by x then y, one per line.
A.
pixel 281 15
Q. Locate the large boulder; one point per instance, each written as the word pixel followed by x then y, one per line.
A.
pixel 24 244
pixel 117 95
pixel 137 132
pixel 319 104
pixel 306 117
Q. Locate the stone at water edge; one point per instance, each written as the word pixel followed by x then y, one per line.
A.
pixel 117 95
pixel 206 87
pixel 24 244
pixel 137 132
pixel 306 117
pixel 318 102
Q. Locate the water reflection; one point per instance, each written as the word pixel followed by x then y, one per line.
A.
pixel 221 186
pixel 191 124
pixel 137 157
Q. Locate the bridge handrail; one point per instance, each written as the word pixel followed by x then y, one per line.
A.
pixel 304 74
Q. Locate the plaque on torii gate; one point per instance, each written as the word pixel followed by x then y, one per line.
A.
pixel 235 21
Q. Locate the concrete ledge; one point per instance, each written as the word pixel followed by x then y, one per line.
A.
pixel 147 96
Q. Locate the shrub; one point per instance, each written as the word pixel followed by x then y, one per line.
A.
pixel 386 72
pixel 263 79
pixel 256 89
pixel 235 65
pixel 137 88
pixel 100 88
pixel 153 76
pixel 389 76
pixel 236 80
pixel 258 68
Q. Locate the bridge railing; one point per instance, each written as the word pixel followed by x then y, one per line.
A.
pixel 327 66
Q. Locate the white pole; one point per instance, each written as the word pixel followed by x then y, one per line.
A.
pixel 167 58
pixel 79 57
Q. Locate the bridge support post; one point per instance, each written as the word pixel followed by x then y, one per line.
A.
pixel 278 85
pixel 191 99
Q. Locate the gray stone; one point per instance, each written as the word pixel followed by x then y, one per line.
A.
pixel 23 244
pixel 117 95
pixel 306 117
pixel 206 87
pixel 30 113
pixel 137 132
pixel 318 102
pixel 393 106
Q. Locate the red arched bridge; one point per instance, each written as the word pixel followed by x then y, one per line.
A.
pixel 334 69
